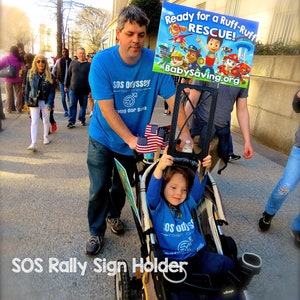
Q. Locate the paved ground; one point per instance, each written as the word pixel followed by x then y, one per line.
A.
pixel 43 217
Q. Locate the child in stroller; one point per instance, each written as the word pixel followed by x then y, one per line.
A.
pixel 173 192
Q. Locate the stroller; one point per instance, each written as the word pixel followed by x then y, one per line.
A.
pixel 151 279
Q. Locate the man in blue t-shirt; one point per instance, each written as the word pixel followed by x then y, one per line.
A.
pixel 125 91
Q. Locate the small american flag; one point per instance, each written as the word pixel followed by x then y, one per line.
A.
pixel 154 137
pixel 151 129
pixel 144 145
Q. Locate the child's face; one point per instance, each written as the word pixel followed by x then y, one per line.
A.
pixel 176 189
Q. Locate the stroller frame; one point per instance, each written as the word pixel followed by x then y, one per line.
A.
pixel 209 217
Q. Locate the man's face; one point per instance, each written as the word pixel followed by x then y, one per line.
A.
pixel 81 55
pixel 131 39
pixel 65 53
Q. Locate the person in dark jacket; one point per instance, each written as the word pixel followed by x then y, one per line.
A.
pixel 77 84
pixel 60 71
pixel 28 59
pixel 13 86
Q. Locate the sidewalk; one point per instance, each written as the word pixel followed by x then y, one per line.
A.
pixel 43 223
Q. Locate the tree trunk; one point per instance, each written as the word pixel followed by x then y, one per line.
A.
pixel 59 28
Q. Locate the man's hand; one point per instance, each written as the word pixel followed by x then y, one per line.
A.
pixel 248 151
pixel 132 142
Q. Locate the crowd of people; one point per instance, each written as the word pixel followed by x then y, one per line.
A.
pixel 35 79
pixel 113 132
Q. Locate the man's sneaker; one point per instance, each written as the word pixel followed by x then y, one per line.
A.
pixel 94 245
pixel 265 222
pixel 233 157
pixel 296 236
pixel 82 123
pixel 70 125
pixel 116 225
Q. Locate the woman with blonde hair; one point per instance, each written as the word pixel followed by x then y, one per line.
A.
pixel 40 87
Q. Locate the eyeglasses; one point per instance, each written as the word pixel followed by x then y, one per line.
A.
pixel 41 61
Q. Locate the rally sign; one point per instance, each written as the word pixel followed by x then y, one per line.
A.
pixel 204 45
pixel 127 188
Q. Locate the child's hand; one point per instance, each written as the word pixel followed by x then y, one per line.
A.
pixel 165 161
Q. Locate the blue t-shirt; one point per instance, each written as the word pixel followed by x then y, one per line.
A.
pixel 134 89
pixel 178 236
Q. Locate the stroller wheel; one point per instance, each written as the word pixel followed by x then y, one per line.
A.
pixel 122 282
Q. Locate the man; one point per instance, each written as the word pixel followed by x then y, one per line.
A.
pixel 227 97
pixel 125 91
pixel 77 84
pixel 60 71
pixel 21 51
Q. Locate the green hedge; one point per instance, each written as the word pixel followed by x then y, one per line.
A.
pixel 277 48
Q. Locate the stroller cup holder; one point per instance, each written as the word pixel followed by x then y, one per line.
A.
pixel 176 277
pixel 251 261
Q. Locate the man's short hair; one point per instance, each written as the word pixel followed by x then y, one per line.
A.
pixel 133 14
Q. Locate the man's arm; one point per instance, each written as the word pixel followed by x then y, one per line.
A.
pixel 185 133
pixel 194 97
pixel 116 123
pixel 242 114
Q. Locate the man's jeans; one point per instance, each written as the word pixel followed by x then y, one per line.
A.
pixel 74 98
pixel 106 193
pixel 289 181
pixel 65 103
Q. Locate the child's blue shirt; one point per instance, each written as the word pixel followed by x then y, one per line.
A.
pixel 178 237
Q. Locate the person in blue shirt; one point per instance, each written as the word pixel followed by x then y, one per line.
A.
pixel 125 90
pixel 173 192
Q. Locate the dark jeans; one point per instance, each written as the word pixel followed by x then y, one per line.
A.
pixel 64 95
pixel 74 98
pixel 206 262
pixel 106 193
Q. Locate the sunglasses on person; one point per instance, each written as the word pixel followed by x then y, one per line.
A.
pixel 41 61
